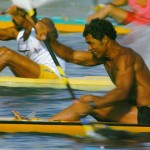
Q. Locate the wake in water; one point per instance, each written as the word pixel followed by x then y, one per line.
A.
pixel 139 40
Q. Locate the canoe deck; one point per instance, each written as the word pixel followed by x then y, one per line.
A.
pixel 87 83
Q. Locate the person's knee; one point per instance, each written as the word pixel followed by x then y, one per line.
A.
pixel 5 53
pixel 4 50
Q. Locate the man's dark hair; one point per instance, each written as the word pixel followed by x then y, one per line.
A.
pixel 98 28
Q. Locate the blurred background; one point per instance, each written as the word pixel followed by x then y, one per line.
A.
pixel 70 8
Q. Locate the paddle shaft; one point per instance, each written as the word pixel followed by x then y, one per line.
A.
pixel 62 73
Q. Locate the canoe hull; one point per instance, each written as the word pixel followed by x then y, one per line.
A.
pixel 87 83
pixel 66 128
pixel 63 24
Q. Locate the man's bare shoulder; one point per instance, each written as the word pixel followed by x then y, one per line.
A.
pixel 130 57
pixel 125 53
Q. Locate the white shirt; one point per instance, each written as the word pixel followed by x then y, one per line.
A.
pixel 37 51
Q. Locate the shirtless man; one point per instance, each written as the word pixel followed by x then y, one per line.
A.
pixel 139 13
pixel 37 63
pixel 129 102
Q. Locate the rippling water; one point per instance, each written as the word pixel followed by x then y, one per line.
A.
pixel 47 102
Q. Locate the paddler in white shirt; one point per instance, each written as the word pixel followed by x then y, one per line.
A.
pixel 36 62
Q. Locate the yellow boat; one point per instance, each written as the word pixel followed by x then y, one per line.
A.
pixel 86 83
pixel 77 129
pixel 64 24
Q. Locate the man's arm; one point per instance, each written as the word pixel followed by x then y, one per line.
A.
pixel 74 56
pixel 8 34
pixel 119 2
pixel 123 87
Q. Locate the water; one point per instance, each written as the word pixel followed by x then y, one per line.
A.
pixel 47 102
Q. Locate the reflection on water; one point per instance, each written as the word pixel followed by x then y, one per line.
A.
pixel 56 142
pixel 46 104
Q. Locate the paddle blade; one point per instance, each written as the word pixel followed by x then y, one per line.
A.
pixel 28 5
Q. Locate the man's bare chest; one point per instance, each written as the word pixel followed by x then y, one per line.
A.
pixel 111 70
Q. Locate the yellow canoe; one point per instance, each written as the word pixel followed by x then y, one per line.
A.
pixel 77 129
pixel 63 24
pixel 70 28
pixel 87 83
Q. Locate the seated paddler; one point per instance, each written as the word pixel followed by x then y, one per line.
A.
pixel 33 59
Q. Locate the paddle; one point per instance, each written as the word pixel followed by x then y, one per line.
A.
pixel 28 5
pixel 62 73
